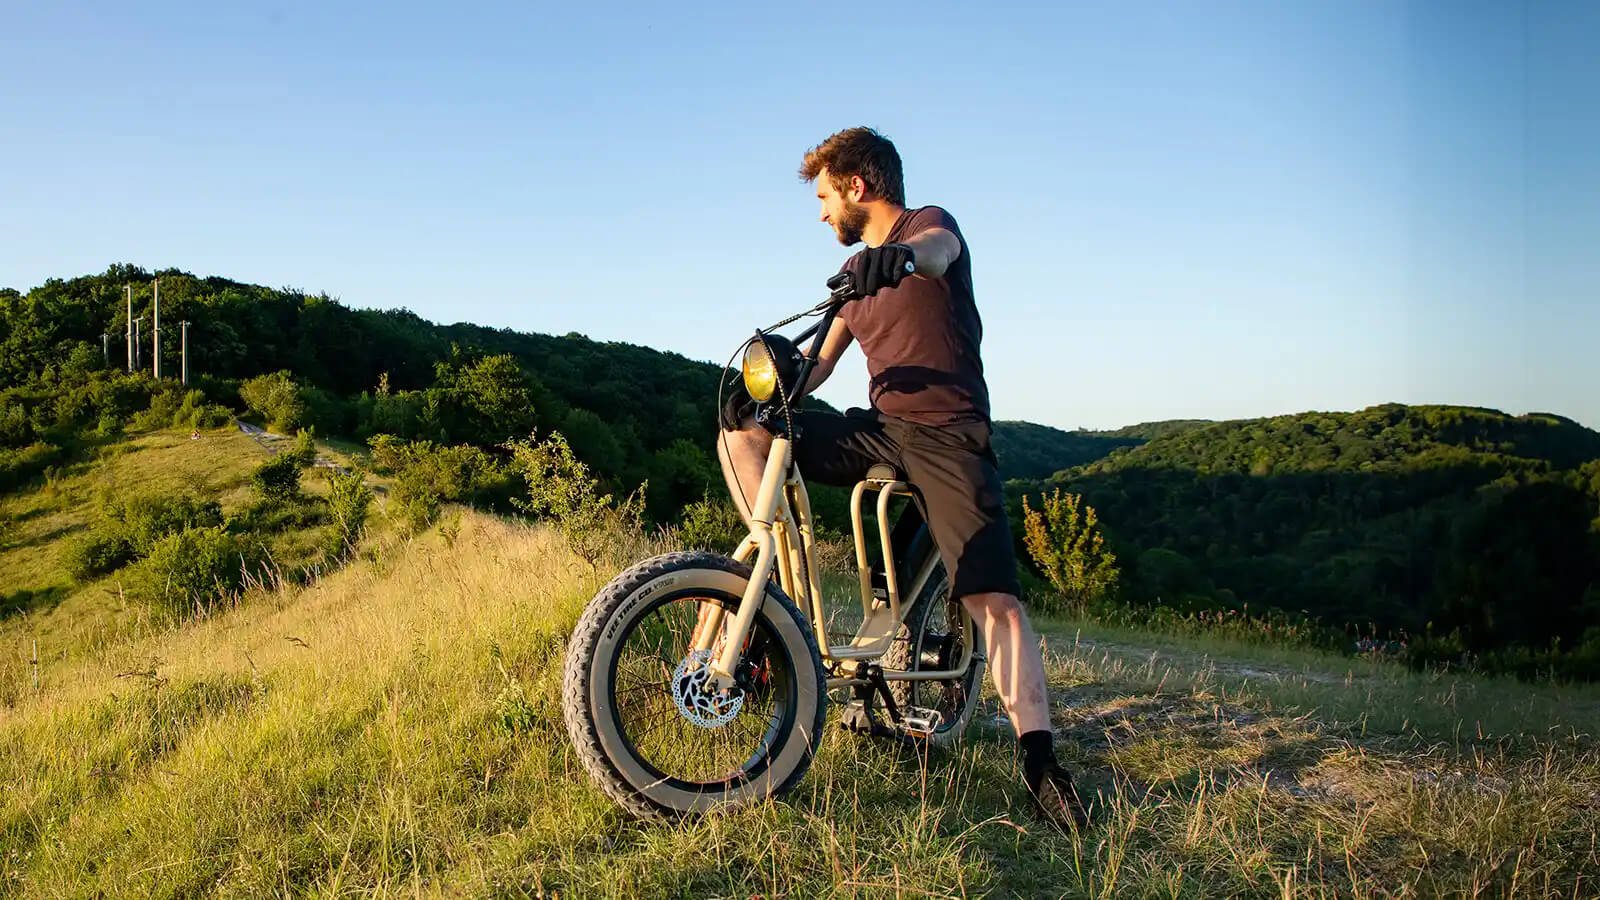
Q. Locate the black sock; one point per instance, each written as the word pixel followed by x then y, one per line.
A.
pixel 1038 755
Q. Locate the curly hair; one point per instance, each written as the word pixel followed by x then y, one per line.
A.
pixel 858 151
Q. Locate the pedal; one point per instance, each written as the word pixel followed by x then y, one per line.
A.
pixel 854 718
pixel 920 722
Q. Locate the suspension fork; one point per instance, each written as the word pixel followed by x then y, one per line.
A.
pixel 762 515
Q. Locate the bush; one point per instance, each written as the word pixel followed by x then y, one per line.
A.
pixel 101 550
pixel 709 524
pixel 349 497
pixel 18 466
pixel 195 412
pixel 189 569
pixel 130 528
pixel 427 475
pixel 277 398
pixel 1066 544
pixel 561 489
pixel 147 519
pixel 278 479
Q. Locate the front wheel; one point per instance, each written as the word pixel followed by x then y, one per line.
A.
pixel 644 731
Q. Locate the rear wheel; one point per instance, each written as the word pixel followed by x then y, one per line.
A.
pixel 634 703
pixel 933 638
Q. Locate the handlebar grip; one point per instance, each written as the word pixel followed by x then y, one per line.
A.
pixel 839 282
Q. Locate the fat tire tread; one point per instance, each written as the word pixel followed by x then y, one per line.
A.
pixel 575 680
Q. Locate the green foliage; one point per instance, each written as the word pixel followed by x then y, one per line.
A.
pixel 349 498
pixel 277 479
pixel 562 490
pixel 101 550
pixel 129 528
pixel 278 399
pixel 191 569
pixel 1030 450
pixel 710 524
pixel 23 464
pixel 1064 541
pixel 427 475
pixel 1386 521
pixel 304 452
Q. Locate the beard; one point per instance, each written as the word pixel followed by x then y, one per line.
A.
pixel 852 221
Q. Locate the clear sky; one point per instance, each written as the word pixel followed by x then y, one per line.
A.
pixel 1183 210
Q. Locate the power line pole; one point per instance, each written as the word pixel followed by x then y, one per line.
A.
pixel 138 351
pixel 185 332
pixel 105 348
pixel 155 343
pixel 129 289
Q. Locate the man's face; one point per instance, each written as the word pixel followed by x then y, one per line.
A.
pixel 847 217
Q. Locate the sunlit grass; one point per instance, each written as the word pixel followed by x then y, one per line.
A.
pixel 395 728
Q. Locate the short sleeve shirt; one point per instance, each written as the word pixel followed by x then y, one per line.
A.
pixel 921 338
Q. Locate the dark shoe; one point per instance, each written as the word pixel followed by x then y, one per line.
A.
pixel 1056 800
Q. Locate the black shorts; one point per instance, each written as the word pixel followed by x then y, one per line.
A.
pixel 953 467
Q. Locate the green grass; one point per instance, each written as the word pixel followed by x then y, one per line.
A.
pixel 42 607
pixel 394 728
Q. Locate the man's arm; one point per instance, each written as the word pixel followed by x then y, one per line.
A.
pixel 935 250
pixel 833 346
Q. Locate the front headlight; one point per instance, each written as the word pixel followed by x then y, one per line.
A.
pixel 760 371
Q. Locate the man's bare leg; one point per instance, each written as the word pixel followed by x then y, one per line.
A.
pixel 742 453
pixel 1014 659
pixel 1018 669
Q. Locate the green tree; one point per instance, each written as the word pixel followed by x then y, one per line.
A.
pixel 277 399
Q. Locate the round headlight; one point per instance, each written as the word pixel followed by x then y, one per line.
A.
pixel 760 371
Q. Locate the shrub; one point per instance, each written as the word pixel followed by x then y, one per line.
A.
pixel 349 497
pixel 277 399
pixel 561 489
pixel 427 475
pixel 305 448
pixel 1065 542
pixel 709 524
pixel 147 519
pixel 189 569
pixel 18 466
pixel 101 550
pixel 277 479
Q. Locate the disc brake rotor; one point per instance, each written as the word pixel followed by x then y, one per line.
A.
pixel 700 706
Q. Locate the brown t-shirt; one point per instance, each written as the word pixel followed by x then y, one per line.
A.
pixel 921 338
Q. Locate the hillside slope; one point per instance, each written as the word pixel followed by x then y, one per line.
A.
pixel 395 727
pixel 1472 521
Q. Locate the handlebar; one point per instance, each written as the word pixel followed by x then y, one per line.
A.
pixel 843 287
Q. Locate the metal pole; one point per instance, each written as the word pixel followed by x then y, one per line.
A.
pixel 155 342
pixel 138 351
pixel 129 289
pixel 185 371
pixel 105 348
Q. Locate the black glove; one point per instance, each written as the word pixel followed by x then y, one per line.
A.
pixel 737 404
pixel 876 268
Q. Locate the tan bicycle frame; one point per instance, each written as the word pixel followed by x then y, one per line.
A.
pixel 781 535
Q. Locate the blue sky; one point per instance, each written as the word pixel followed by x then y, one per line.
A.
pixel 1209 210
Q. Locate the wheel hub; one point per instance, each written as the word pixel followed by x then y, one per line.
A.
pixel 705 708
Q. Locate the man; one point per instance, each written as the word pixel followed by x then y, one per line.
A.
pixel 930 418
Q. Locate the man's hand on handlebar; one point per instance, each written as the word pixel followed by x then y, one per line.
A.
pixel 876 268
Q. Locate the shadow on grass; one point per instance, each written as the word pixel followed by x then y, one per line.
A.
pixel 28 600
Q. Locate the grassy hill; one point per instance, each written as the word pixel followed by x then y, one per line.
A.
pixel 393 727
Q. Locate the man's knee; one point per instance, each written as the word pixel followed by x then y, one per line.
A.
pixel 1004 609
pixel 750 439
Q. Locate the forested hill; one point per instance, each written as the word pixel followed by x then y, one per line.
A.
pixel 1468 520
pixel 633 413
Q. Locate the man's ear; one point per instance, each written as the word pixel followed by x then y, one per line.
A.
pixel 858 189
